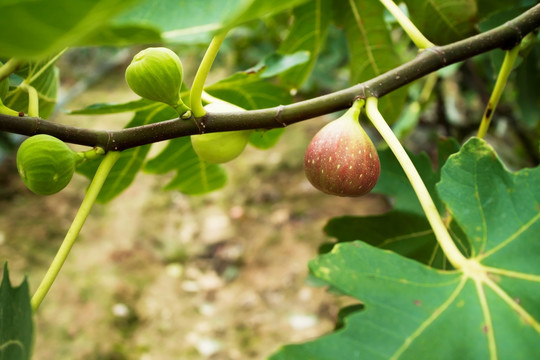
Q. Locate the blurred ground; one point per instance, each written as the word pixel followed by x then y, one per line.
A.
pixel 158 275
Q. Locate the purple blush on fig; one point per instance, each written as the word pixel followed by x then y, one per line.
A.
pixel 341 159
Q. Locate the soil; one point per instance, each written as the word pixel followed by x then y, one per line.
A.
pixel 161 275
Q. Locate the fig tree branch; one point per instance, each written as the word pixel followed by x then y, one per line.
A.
pixel 503 37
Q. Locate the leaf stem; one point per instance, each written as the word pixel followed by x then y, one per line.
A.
pixel 9 67
pixel 76 226
pixel 504 72
pixel 441 233
pixel 407 25
pixel 200 77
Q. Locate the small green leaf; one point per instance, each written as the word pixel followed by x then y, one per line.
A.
pixel 308 33
pixel 109 108
pixel 16 324
pixel 275 64
pixel 371 50
pixel 249 91
pixel 443 21
pixel 193 176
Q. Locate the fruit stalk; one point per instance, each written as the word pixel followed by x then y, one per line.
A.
pixel 93 190
pixel 407 25
pixel 450 249
pixel 202 72
pixel 506 68
pixel 33 99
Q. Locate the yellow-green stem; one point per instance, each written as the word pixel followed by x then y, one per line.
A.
pixel 406 24
pixel 439 229
pixel 431 81
pixel 76 226
pixel 7 111
pixel 9 67
pixel 90 154
pixel 33 99
pixel 504 72
pixel 204 68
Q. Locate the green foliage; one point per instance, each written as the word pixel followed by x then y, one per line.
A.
pixel 275 64
pixel 394 182
pixel 193 176
pixel 249 91
pixel 528 98
pixel 308 33
pixel 44 77
pixel 442 21
pixel 152 21
pixel 265 139
pixel 53 26
pixel 107 108
pixel 371 51
pixel 410 234
pixel 412 310
pixel 498 210
pixel 131 161
pixel 16 324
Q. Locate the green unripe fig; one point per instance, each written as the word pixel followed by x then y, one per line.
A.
pixel 156 74
pixel 46 164
pixel 220 147
pixel 341 158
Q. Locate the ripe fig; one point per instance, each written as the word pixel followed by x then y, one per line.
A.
pixel 156 74
pixel 46 164
pixel 220 147
pixel 341 158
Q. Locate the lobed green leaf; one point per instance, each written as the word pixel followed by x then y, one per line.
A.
pixel 412 311
pixel 16 323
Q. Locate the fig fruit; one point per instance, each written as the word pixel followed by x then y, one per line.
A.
pixel 220 147
pixel 46 164
pixel 341 158
pixel 156 74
